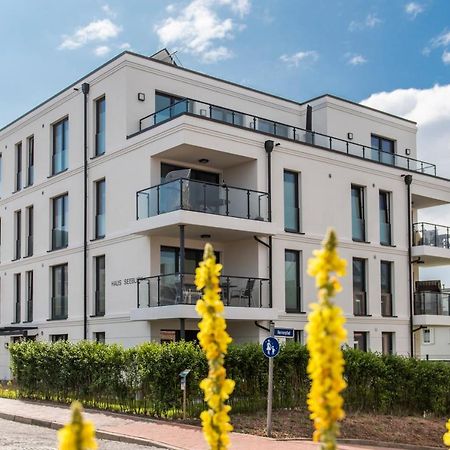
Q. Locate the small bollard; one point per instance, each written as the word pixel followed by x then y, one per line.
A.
pixel 183 375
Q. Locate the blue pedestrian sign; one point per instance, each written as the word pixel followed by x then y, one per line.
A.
pixel 284 332
pixel 270 347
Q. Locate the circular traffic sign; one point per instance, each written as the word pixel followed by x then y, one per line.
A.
pixel 270 347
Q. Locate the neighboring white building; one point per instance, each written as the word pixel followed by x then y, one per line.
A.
pixel 175 158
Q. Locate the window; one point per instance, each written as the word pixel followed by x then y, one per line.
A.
pixel 17 234
pixel 100 125
pixel 360 340
pixel 29 286
pixel 99 262
pixel 359 287
pixel 30 230
pixel 30 161
pixel 59 292
pixel 292 289
pixel 17 296
pixel 358 214
pixel 291 202
pixel 170 259
pixel 99 337
pixel 385 218
pixel 18 184
pixel 100 209
pixel 168 106
pixel 60 233
pixel 58 337
pixel 60 146
pixel 387 343
pixel 386 288
pixel 427 336
pixel 382 149
pixel 1 175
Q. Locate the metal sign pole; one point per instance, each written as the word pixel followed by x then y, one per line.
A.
pixel 270 388
pixel 184 399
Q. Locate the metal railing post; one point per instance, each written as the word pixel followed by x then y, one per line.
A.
pixel 435 236
pixel 159 289
pixel 204 197
pixel 181 193
pixel 248 204
pixel 227 208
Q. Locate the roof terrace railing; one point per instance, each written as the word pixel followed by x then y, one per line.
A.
pixel 273 128
pixel 430 234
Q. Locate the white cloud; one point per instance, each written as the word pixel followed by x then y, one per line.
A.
pixel 431 109
pixel 198 28
pixel 295 59
pixel 124 46
pixel 102 50
pixel 371 21
pixel 446 57
pixel 442 40
pixel 356 60
pixel 108 11
pixel 99 30
pixel 413 9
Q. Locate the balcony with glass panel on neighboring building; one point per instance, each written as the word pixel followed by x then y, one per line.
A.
pixel 431 303
pixel 431 243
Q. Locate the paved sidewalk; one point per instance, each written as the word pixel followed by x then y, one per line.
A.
pixel 167 435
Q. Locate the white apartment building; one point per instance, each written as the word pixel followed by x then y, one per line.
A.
pixel 110 189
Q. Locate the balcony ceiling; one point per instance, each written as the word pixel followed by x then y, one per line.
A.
pixel 191 154
pixel 420 201
pixel 431 256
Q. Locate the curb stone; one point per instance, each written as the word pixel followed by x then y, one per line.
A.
pixel 106 435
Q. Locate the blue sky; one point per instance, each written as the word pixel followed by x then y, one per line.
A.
pixel 390 54
pixel 293 48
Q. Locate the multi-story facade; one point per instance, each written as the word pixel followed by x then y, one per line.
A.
pixel 110 189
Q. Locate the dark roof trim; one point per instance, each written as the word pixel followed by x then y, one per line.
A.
pixel 231 83
pixel 360 105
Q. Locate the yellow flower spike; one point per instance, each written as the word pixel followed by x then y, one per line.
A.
pixel 78 434
pixel 326 334
pixel 214 341
pixel 446 437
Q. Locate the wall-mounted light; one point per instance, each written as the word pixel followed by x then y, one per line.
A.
pixel 407 151
pixel 203 161
pixel 350 136
pixel 141 96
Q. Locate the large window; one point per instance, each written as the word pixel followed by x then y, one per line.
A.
pixel 386 288
pixel 385 218
pixel 59 292
pixel 292 290
pixel 361 340
pixel 58 337
pixel 17 234
pixel 359 287
pixel 170 259
pixel 100 126
pixel 358 214
pixel 30 230
pixel 60 233
pixel 291 202
pixel 18 183
pixel 17 297
pixel 383 149
pixel 387 342
pixel 100 207
pixel 29 286
pixel 60 146
pixel 30 161
pixel 99 285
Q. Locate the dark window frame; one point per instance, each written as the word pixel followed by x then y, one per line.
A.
pixel 363 307
pixel 64 198
pixel 64 124
pixel 30 294
pixel 30 160
pixel 59 337
pixel 390 307
pixel 391 343
pixel 298 288
pixel 388 200
pixel 100 306
pixel 100 208
pixel 362 211
pixel 100 126
pixel 17 234
pixel 63 290
pixel 17 298
pixel 19 163
pixel 365 336
pixel 30 229
pixel 296 176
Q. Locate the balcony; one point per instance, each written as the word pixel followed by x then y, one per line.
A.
pixel 175 295
pixel 431 243
pixel 179 201
pixel 431 303
pixel 269 127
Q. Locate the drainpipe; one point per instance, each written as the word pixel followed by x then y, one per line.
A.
pixel 269 146
pixel 181 268
pixel 85 90
pixel 408 181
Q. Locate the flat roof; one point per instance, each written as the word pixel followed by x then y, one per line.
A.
pixel 150 58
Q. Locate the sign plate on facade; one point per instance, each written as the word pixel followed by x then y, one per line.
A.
pixel 284 332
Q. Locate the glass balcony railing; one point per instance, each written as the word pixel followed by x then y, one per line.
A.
pixel 430 234
pixel 386 305
pixel 359 304
pixel 100 225
pixel 358 229
pixel 199 196
pixel 273 128
pixel 385 233
pixel 30 310
pixel 59 162
pixel 179 289
pixel 432 303
pixel 60 238
pixel 59 307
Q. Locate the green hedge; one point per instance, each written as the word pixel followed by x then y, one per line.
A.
pixel 144 379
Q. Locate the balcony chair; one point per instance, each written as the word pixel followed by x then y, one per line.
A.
pixel 244 295
pixel 171 197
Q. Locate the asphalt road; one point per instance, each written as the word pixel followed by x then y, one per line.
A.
pixel 18 436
